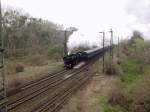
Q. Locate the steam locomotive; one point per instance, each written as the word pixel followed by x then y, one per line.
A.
pixel 73 59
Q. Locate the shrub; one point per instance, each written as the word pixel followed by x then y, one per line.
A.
pixel 118 98
pixel 141 106
pixel 55 52
pixel 113 69
pixel 19 68
pixel 109 108
pixel 119 62
pixel 16 82
pixel 37 60
pixel 140 68
pixel 130 73
pixel 141 96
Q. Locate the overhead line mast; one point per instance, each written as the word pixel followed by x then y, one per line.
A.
pixel 111 43
pixel 2 73
pixel 103 49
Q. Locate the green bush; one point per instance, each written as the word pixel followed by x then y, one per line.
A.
pixel 109 108
pixel 113 69
pixel 141 96
pixel 106 107
pixel 55 52
pixel 130 72
pixel 19 68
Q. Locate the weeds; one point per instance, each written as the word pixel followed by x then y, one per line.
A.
pixel 130 73
pixel 19 68
pixel 141 96
pixel 106 107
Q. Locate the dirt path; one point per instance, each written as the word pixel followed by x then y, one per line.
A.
pixel 88 99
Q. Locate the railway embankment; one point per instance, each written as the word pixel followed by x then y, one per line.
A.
pixel 126 91
pixel 23 70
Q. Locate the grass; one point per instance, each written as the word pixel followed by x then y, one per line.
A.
pixel 130 74
pixel 128 80
pixel 109 108
pixel 147 70
pixel 30 73
pixel 133 84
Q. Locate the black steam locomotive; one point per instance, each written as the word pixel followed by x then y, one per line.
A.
pixel 73 59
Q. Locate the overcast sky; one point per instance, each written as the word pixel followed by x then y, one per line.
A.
pixel 92 16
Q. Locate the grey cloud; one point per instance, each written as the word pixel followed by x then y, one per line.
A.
pixel 141 9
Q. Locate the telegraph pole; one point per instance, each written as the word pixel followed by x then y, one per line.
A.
pixel 0 25
pixel 118 47
pixel 111 49
pixel 111 43
pixel 103 49
pixel 65 44
pixel 110 52
pixel 3 90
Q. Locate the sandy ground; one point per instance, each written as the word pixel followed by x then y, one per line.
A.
pixel 88 99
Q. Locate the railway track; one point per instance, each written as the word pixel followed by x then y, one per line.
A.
pixel 51 91
pixel 65 96
pixel 29 88
pixel 53 103
pixel 35 82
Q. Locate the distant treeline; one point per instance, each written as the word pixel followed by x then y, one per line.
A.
pixel 25 35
